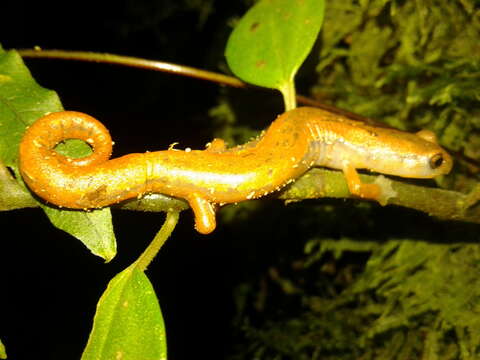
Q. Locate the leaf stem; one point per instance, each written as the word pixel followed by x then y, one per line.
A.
pixel 151 251
pixel 288 91
pixel 163 66
pixel 134 62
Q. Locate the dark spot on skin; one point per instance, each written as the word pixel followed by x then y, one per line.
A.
pixel 97 194
pixel 372 133
pixel 286 143
pixel 247 155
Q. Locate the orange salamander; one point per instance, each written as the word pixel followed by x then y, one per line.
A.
pixel 296 141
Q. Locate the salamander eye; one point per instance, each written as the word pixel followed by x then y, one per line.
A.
pixel 436 161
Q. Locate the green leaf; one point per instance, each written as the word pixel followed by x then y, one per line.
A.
pixel 272 40
pixel 128 323
pixel 3 352
pixel 93 228
pixel 22 101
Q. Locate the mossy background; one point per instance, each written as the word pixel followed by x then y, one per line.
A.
pixel 396 286
pixel 324 279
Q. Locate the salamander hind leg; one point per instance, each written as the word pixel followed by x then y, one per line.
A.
pixel 204 212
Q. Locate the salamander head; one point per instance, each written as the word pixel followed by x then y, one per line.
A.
pixel 427 165
pixel 438 161
pixel 417 156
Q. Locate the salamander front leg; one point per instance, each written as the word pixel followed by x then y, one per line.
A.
pixel 355 185
pixel 204 212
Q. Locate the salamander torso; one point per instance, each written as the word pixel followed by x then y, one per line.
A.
pixel 296 141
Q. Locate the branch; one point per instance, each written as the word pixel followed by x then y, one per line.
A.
pixel 315 184
pixel 444 204
pixel 167 67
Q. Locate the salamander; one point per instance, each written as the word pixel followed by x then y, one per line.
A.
pixel 296 141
